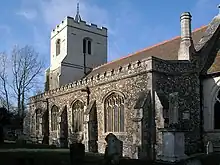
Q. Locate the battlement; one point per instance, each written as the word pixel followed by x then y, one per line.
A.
pixel 71 22
pixel 123 71
pixel 149 64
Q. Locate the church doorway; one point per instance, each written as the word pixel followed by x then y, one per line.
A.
pixel 64 128
pixel 93 130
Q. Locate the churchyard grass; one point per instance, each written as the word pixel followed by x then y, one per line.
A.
pixel 11 155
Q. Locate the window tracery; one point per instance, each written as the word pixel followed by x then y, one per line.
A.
pixel 77 116
pixel 87 46
pixel 114 113
pixel 58 47
pixel 54 118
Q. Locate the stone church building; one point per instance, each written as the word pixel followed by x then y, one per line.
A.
pixel 87 97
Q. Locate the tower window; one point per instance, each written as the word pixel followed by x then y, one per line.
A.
pixel 58 47
pixel 84 45
pixel 87 46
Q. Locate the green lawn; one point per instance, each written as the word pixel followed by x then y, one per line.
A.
pixel 43 156
pixel 11 154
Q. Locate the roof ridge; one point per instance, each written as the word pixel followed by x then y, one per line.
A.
pixel 147 48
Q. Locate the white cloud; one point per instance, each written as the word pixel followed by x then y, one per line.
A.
pixel 54 11
pixel 122 22
pixel 27 13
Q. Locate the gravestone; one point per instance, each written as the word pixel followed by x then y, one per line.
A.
pixel 77 153
pixel 173 108
pixel 209 147
pixel 113 150
pixel 173 137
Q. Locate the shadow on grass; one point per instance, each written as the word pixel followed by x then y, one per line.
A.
pixel 51 156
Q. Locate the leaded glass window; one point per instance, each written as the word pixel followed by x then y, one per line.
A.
pixel 54 118
pixel 114 113
pixel 77 116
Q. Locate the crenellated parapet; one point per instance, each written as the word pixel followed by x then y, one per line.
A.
pixel 151 64
pixel 121 72
pixel 82 25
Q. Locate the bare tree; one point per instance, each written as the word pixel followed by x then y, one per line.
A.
pixel 26 69
pixel 4 81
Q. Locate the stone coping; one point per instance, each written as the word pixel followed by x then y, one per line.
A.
pixel 150 64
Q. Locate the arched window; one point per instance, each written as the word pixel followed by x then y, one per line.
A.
pixel 38 116
pixel 114 113
pixel 87 46
pixel 77 116
pixel 54 117
pixel 58 47
pixel 217 112
pixel 84 45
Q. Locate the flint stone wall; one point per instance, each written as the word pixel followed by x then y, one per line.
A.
pixel 181 77
pixel 155 75
pixel 128 81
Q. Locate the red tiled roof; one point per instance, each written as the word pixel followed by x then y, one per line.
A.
pixel 167 50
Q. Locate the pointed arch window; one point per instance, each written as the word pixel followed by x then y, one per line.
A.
pixel 58 46
pixel 77 116
pixel 54 118
pixel 38 116
pixel 217 111
pixel 114 113
pixel 87 46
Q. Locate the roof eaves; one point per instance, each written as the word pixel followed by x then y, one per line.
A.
pixel 148 48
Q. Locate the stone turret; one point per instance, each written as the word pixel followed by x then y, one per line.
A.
pixel 186 44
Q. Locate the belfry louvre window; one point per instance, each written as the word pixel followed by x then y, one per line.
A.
pixel 77 116
pixel 217 112
pixel 87 46
pixel 114 113
pixel 58 47
pixel 54 117
pixel 38 116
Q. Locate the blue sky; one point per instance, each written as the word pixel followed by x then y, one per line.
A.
pixel 132 24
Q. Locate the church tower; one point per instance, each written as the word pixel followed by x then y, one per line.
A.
pixel 76 48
